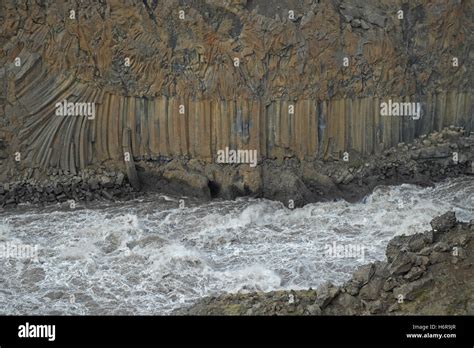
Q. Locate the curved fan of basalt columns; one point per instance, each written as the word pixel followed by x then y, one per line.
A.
pixel 58 141
pixel 44 139
pixel 307 129
pixel 171 127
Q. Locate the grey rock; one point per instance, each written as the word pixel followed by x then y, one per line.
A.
pixel 422 261
pixel 414 273
pixel 410 290
pixel 93 183
pixel 355 23
pixel 394 247
pixel 375 18
pixel 443 223
pixel 394 307
pixel 188 182
pixel 107 195
pixel 326 293
pixel 119 179
pixel 348 178
pixel 371 290
pixel 106 181
pixel 313 309
pixel 374 307
pixel 425 251
pixel 438 257
pixel 390 283
pixel 345 304
pixel 284 185
pixel 417 242
pixel 363 274
pixel 364 25
pixel 441 246
pixel 402 263
pixel 352 287
pixel 381 270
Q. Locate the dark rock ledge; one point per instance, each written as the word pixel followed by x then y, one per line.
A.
pixel 89 185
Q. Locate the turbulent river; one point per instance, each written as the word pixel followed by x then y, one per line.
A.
pixel 148 256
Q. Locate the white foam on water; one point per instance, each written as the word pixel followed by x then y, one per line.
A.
pixel 150 257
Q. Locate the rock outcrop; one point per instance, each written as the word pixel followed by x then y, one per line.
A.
pixel 293 182
pixel 427 273
pixel 100 184
pixel 308 82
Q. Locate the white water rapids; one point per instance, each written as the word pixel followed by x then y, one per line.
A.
pixel 149 256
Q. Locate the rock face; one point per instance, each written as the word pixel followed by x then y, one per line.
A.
pixel 290 181
pixel 65 187
pixel 422 275
pixel 444 222
pixel 173 78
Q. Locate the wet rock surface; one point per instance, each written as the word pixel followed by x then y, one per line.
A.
pixel 89 185
pixel 291 181
pixel 407 283
pixel 291 53
pixel 296 182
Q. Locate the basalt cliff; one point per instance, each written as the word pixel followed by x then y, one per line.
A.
pixel 172 82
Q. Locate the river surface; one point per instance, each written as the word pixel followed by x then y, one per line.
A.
pixel 149 256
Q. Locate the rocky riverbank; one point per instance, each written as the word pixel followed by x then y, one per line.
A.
pixel 87 186
pixel 431 158
pixel 427 273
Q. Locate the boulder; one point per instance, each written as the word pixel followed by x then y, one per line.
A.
pixel 414 273
pixel 410 290
pixel 284 185
pixel 363 274
pixel 194 183
pixel 326 293
pixel 371 290
pixel 402 263
pixel 443 223
pixel 418 241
